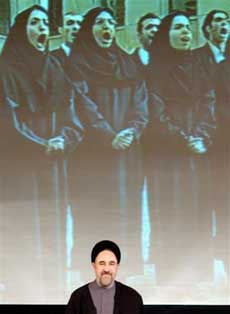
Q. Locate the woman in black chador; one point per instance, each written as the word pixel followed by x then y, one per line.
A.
pixel 179 136
pixel 110 162
pixel 42 128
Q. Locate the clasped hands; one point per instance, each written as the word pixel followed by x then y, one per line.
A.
pixel 123 139
pixel 197 145
pixel 55 144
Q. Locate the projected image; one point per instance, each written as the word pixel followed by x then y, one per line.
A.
pixel 114 125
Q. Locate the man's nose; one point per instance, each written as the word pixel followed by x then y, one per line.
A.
pixel 76 28
pixel 106 268
pixel 224 23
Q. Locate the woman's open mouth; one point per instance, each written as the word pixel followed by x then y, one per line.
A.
pixel 107 36
pixel 41 41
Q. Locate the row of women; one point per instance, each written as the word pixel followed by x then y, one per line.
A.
pixel 80 143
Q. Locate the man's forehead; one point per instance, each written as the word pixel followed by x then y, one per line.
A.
pixel 104 15
pixel 106 255
pixel 73 17
pixel 220 15
pixel 106 260
pixel 151 21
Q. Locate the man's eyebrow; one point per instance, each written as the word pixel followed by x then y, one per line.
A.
pixel 181 24
pixel 70 21
pixel 220 18
pixel 102 261
pixel 105 19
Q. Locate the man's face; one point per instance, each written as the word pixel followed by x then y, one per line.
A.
pixel 105 267
pixel 180 35
pixel 37 30
pixel 219 28
pixel 149 28
pixel 104 29
pixel 71 26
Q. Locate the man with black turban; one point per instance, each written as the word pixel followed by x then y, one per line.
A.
pixel 107 183
pixel 105 294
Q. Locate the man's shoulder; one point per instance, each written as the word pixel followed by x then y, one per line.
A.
pixel 58 51
pixel 128 299
pixel 203 47
pixel 127 290
pixel 83 290
pixel 59 55
pixel 203 50
pixel 204 55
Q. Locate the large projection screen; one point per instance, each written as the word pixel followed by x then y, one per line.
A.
pixel 171 220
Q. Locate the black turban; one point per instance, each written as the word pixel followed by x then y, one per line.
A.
pixel 105 245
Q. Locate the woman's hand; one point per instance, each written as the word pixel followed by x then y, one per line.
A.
pixel 197 145
pixel 123 139
pixel 55 144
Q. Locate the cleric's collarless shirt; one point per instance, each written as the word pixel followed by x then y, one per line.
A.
pixel 103 298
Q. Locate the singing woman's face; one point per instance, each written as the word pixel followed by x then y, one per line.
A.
pixel 104 29
pixel 37 30
pixel 180 34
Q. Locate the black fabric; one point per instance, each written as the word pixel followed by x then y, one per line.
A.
pixel 223 96
pixel 127 301
pixel 17 49
pixel 34 103
pixel 105 245
pixel 61 56
pixel 106 65
pixel 206 57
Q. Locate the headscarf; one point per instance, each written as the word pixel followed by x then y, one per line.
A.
pixel 17 49
pixel 93 63
pixel 161 50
